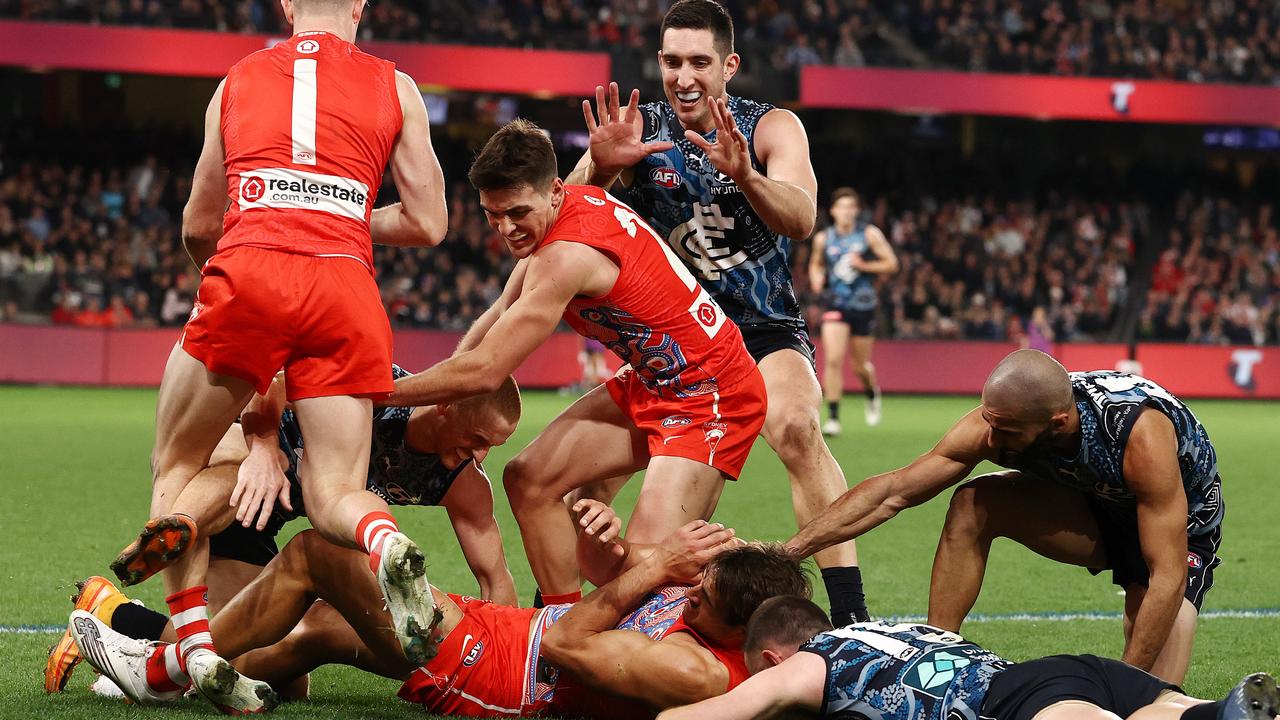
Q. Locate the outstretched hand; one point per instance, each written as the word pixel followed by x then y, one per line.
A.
pixel 260 481
pixel 730 153
pixel 616 131
pixel 688 550
pixel 599 522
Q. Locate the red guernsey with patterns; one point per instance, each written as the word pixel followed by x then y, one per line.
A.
pixel 308 127
pixel 656 317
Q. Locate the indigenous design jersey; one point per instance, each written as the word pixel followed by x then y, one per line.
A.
pixel 1109 403
pixel 397 474
pixel 307 127
pixel 847 288
pixel 656 317
pixel 903 672
pixel 706 219
pixel 661 614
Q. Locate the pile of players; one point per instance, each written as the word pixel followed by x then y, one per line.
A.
pixel 267 412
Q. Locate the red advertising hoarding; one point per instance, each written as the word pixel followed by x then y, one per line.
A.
pixel 1211 371
pixel 197 53
pixel 59 355
pixel 1039 97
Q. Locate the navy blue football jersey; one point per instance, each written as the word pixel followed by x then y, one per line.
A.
pixel 847 288
pixel 903 672
pixel 709 223
pixel 1109 404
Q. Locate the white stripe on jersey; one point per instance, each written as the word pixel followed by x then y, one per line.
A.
pixel 304 111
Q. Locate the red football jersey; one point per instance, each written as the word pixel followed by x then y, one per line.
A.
pixel 308 127
pixel 657 317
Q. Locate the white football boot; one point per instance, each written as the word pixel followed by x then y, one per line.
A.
pixel 117 656
pixel 871 411
pixel 228 690
pixel 402 575
pixel 831 427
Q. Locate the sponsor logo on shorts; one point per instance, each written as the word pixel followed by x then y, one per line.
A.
pixel 474 656
pixel 714 431
pixel 307 47
pixel 675 421
pixel 288 189
pixel 666 177
pixel 1193 561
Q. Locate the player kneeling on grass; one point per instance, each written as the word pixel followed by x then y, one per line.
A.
pixel 689 407
pixel 418 456
pixel 913 671
pixel 1107 471
pixel 667 631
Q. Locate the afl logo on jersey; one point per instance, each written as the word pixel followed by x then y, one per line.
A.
pixel 307 47
pixel 252 189
pixel 665 177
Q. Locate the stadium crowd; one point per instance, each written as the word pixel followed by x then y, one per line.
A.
pixel 101 247
pixel 1236 41
pixel 1219 280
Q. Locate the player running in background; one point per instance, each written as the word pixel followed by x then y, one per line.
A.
pixel 666 631
pixel 728 183
pixel 1108 471
pixel 689 408
pixel 280 219
pixel 913 671
pixel 844 262
pixel 427 456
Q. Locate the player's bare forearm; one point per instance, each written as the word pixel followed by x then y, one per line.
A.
pixel 590 175
pixel 567 643
pixel 1155 619
pixel 394 225
pixel 860 509
pixel 201 247
pixel 785 208
pixel 462 376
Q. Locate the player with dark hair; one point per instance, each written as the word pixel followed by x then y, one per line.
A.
pixel 280 221
pixel 844 262
pixel 1107 471
pixel 428 456
pixel 689 408
pixel 913 671
pixel 728 184
pixel 666 631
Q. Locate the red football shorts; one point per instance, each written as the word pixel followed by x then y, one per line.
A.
pixel 319 318
pixel 716 429
pixel 480 670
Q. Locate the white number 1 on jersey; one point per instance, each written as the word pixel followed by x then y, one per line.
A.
pixel 304 111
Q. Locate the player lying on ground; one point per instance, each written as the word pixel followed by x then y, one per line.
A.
pixel 280 221
pixel 728 183
pixel 688 410
pixel 418 456
pixel 667 631
pixel 914 671
pixel 1107 471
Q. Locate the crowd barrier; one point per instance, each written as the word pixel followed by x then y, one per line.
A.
pixel 42 354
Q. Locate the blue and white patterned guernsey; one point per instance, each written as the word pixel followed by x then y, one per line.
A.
pixel 1109 403
pixel 708 222
pixel 903 672
pixel 847 288
pixel 397 474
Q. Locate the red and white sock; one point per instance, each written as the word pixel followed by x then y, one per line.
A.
pixel 189 612
pixel 372 532
pixel 164 669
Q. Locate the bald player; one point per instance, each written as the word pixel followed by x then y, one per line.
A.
pixel 1106 470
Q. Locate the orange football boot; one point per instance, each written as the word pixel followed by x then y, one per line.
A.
pixel 90 594
pixel 163 540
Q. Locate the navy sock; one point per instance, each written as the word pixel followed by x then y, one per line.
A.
pixel 869 391
pixel 537 599
pixel 138 622
pixel 844 588
pixel 833 410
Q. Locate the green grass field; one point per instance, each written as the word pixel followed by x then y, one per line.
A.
pixel 75 488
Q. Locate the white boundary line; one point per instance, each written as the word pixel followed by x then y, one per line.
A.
pixel 1263 613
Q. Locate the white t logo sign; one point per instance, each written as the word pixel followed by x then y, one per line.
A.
pixel 1242 362
pixel 1120 93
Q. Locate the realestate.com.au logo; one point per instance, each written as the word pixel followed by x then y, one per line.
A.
pixel 1241 368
